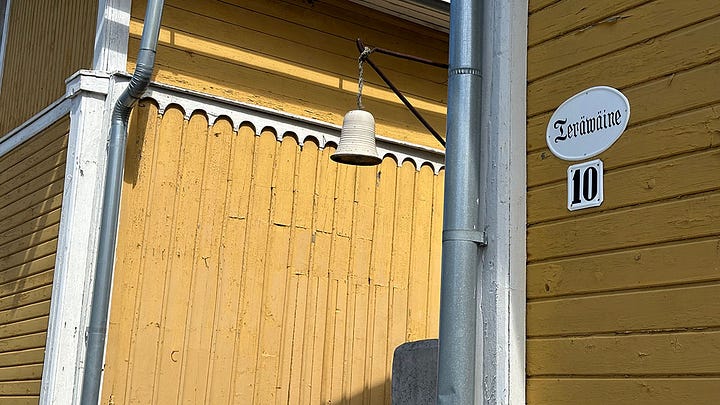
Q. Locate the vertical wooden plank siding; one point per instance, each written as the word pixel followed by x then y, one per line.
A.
pixel 47 42
pixel 31 188
pixel 624 299
pixel 300 57
pixel 256 271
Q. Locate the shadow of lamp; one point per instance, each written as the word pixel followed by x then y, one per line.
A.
pixel 357 137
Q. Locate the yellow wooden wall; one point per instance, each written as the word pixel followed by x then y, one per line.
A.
pixel 300 56
pixel 31 187
pixel 256 271
pixel 624 299
pixel 47 42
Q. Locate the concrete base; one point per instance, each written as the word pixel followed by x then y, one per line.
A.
pixel 414 373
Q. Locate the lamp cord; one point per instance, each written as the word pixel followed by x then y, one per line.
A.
pixel 363 55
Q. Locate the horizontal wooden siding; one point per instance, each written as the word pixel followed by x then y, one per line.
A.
pixel 256 271
pixel 300 57
pixel 624 299
pixel 31 188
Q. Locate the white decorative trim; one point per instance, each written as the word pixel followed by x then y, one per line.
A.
pixel 501 303
pixel 3 37
pixel 111 35
pixel 36 124
pixel 77 241
pixel 283 123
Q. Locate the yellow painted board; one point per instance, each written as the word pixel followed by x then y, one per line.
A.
pixel 553 21
pixel 20 206
pixel 379 382
pixel 400 263
pixel 30 311
pixel 344 201
pixel 674 52
pixel 26 251
pixel 32 214
pixel 282 186
pixel 338 315
pixel 171 365
pixel 653 181
pixel 637 391
pixel 365 186
pixel 356 374
pixel 646 224
pixel 143 126
pixel 15 358
pixel 639 24
pixel 24 372
pixel 669 308
pixel 655 99
pixel 314 373
pixel 27 283
pixel 384 219
pixel 254 262
pixel 153 260
pixel 433 324
pixel 39 170
pixel 656 265
pixel 535 5
pixel 290 95
pixel 35 151
pixel 325 194
pixel 231 271
pixel 275 277
pixel 419 278
pixel 218 163
pixel 681 133
pixel 308 161
pixel 30 387
pixel 40 179
pixel 203 290
pixel 299 267
pixel 33 341
pixel 24 327
pixel 26 297
pixel 671 354
pixel 21 400
pixel 224 35
pixel 328 345
pixel 24 173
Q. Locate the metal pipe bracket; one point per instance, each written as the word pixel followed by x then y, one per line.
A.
pixel 468 235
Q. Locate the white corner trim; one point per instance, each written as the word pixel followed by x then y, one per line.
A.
pixel 3 39
pixel 33 126
pixel 501 309
pixel 283 123
pixel 111 35
pixel 517 26
pixel 77 241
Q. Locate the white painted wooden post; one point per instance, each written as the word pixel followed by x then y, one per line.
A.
pixel 79 223
pixel 501 305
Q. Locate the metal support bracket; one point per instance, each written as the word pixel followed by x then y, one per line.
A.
pixel 469 235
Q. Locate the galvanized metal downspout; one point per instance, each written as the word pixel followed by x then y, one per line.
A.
pixel 462 234
pixel 97 329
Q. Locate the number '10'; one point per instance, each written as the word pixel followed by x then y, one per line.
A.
pixel 588 185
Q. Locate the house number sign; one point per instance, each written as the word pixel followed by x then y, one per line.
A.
pixel 585 185
pixel 587 123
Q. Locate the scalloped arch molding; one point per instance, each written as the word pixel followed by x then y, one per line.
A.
pixel 283 124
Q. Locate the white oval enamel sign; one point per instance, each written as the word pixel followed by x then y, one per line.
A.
pixel 588 123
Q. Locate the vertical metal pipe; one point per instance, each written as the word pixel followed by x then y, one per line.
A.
pixel 462 234
pixel 97 329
